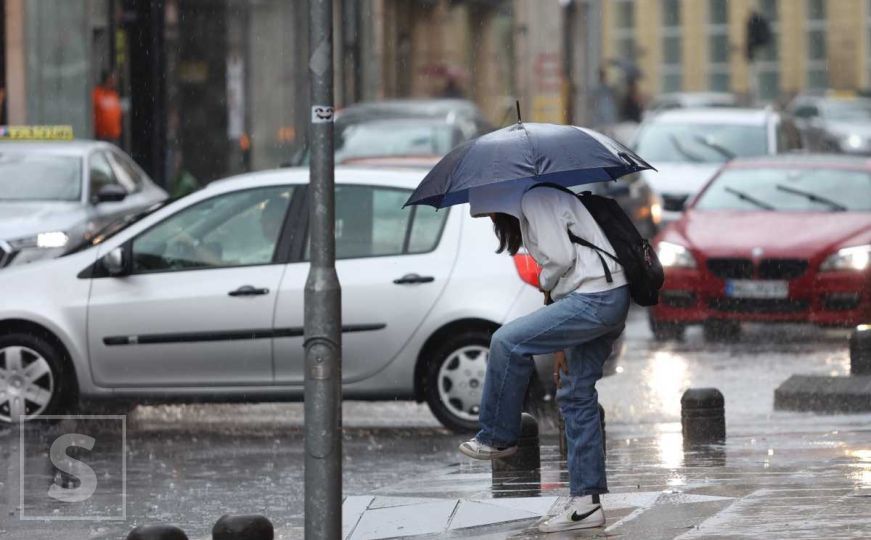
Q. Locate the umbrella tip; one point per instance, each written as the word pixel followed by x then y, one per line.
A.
pixel 517 104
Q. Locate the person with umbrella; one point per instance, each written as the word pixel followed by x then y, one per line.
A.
pixel 500 175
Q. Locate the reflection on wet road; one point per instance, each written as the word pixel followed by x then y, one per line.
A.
pixel 190 464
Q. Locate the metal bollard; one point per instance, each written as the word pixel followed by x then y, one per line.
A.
pixel 703 417
pixel 157 532
pixel 251 527
pixel 860 350
pixel 519 475
pixel 563 440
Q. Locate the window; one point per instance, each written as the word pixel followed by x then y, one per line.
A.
pixel 718 46
pixel 672 76
pixel 806 111
pixel 101 173
pixel 128 174
pixel 788 137
pixel 426 229
pixel 817 73
pixel 768 57
pixel 234 229
pixel 624 31
pixel 370 222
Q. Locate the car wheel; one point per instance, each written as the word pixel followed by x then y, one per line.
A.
pixel 33 378
pixel 455 374
pixel 716 330
pixel 665 331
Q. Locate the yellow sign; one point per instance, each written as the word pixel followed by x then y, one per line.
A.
pixel 40 133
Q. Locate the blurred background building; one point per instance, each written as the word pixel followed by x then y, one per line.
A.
pixel 213 87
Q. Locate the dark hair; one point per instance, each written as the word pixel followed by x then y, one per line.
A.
pixel 507 229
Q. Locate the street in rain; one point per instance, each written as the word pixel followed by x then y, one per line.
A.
pixel 368 269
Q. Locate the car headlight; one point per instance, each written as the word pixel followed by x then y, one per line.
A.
pixel 674 256
pixel 852 142
pixel 854 258
pixel 45 245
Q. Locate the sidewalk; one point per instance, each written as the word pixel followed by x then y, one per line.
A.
pixel 797 483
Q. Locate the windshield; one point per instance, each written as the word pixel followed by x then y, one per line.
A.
pixel 700 143
pixel 39 177
pixel 391 139
pixel 858 110
pixel 802 190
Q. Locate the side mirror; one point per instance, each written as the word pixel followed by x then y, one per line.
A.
pixel 115 262
pixel 110 193
pixel 674 203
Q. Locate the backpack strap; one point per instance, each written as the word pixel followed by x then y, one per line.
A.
pixel 599 251
pixel 578 240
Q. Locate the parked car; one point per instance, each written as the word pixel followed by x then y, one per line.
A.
pixel 689 100
pixel 202 299
pixel 403 128
pixel 687 146
pixel 55 194
pixel 770 239
pixel 833 123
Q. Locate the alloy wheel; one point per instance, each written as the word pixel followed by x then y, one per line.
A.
pixel 26 384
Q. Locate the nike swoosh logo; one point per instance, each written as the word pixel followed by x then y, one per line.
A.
pixel 576 517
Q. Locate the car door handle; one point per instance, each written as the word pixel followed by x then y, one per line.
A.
pixel 413 278
pixel 248 290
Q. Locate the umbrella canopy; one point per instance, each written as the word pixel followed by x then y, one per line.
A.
pixel 525 154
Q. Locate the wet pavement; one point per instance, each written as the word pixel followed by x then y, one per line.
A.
pixel 779 474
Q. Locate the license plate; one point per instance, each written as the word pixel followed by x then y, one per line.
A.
pixel 746 288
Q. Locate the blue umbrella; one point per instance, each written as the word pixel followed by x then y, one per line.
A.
pixel 526 154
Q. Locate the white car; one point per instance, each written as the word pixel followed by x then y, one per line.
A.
pixel 202 299
pixel 687 146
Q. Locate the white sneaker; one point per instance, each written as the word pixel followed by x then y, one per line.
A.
pixel 477 450
pixel 573 517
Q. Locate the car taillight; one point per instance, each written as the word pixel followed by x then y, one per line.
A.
pixel 527 268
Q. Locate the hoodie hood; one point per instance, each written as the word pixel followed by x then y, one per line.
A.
pixel 498 198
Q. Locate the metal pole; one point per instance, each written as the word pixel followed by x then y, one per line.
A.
pixel 323 365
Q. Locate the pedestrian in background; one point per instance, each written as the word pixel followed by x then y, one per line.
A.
pixel 590 301
pixel 604 103
pixel 107 109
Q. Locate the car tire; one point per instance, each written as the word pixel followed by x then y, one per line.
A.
pixel 37 381
pixel 717 331
pixel 455 372
pixel 666 331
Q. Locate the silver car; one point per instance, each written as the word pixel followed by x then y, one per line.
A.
pixel 54 195
pixel 202 299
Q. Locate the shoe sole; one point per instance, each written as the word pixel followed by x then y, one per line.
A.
pixel 488 457
pixel 572 527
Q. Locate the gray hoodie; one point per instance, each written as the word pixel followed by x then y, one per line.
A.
pixel 546 214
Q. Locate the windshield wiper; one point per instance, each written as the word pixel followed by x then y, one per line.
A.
pixel 683 151
pixel 753 200
pixel 722 150
pixel 834 205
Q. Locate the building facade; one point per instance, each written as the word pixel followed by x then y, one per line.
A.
pixel 700 45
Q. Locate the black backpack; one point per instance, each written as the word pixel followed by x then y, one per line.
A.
pixel 634 253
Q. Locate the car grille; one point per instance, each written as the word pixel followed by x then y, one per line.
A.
pixel 782 268
pixel 731 268
pixel 766 269
pixel 753 305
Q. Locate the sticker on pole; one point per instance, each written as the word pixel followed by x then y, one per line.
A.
pixel 322 114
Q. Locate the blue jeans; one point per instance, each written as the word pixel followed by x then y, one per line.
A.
pixel 585 326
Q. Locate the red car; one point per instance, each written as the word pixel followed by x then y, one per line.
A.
pixel 774 239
